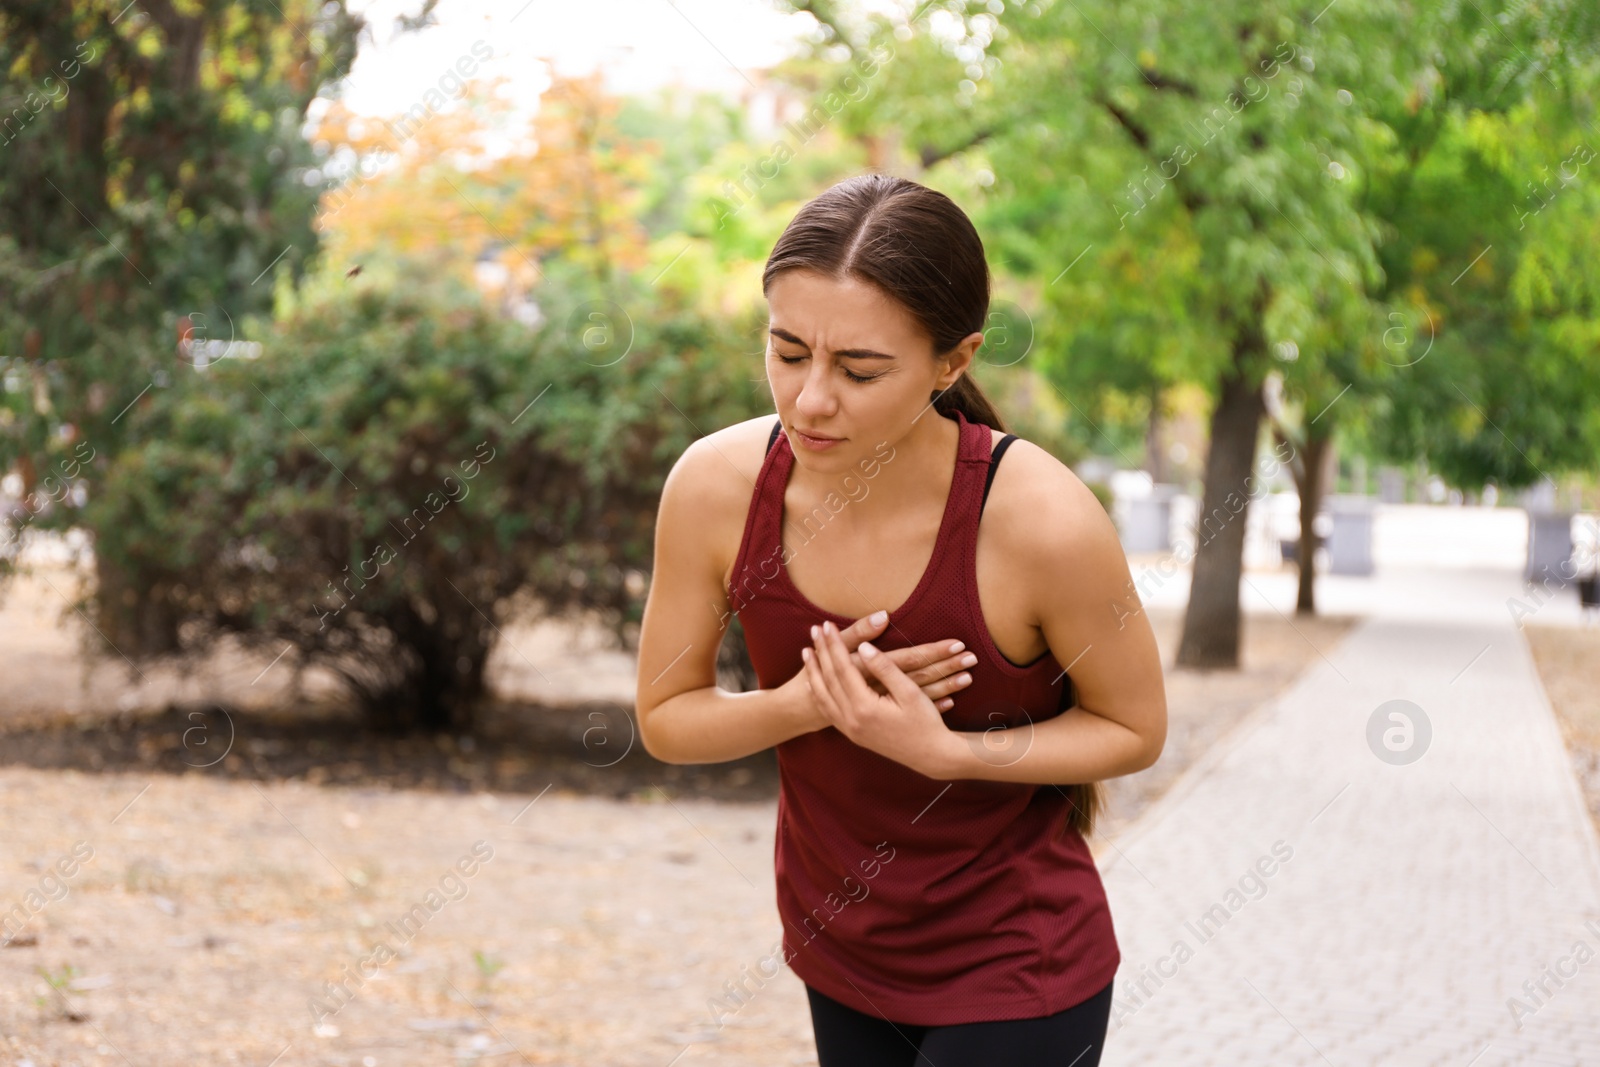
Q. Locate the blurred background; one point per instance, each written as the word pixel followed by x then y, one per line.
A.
pixel 345 347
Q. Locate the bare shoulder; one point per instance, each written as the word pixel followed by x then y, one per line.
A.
pixel 711 485
pixel 1041 510
pixel 720 469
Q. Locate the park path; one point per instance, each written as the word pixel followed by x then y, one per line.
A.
pixel 1296 899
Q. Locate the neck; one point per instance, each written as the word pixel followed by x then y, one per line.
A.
pixel 892 473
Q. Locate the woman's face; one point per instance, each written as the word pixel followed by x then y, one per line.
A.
pixel 847 361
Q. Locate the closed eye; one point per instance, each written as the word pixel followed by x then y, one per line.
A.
pixel 848 373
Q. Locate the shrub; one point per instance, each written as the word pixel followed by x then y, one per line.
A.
pixel 400 472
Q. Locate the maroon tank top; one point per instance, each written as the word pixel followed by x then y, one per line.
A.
pixel 925 902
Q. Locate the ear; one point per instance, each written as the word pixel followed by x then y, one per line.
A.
pixel 959 359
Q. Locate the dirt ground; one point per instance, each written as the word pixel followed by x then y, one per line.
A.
pixel 183 884
pixel 1567 661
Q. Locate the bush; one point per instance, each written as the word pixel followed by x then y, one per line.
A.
pixel 399 473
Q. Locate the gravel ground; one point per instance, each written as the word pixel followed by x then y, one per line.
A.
pixel 167 913
pixel 211 914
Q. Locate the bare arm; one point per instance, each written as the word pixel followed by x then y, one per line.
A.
pixel 1119 724
pixel 712 725
pixel 684 717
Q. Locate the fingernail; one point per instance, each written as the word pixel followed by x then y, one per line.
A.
pixel 866 650
pixel 957 647
pixel 879 618
pixel 968 660
pixel 813 633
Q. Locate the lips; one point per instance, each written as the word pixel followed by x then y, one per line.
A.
pixel 816 436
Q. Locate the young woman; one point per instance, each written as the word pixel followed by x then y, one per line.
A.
pixel 912 608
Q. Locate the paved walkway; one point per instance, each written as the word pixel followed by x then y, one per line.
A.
pixel 1300 899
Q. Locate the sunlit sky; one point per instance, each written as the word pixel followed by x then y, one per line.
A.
pixel 638 44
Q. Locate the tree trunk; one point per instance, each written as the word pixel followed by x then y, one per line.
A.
pixel 135 621
pixel 1155 455
pixel 1309 479
pixel 433 681
pixel 1211 622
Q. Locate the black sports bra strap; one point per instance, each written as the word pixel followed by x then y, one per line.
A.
pixel 774 438
pixel 994 462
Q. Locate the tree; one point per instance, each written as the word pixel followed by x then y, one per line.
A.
pixel 1205 199
pixel 1167 181
pixel 1493 251
pixel 152 155
pixel 1439 173
pixel 446 187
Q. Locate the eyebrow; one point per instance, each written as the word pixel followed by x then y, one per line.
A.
pixel 852 353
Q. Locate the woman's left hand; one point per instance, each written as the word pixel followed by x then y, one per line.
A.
pixel 904 725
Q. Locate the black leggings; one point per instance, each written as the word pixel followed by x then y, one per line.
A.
pixel 1073 1037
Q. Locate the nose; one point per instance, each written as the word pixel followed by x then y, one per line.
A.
pixel 817 399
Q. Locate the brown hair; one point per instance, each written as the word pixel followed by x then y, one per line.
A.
pixel 919 248
pixel 913 243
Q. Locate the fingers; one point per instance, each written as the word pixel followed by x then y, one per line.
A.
pixel 925 657
pixel 826 675
pixel 818 685
pixel 933 659
pixel 947 685
pixel 902 690
pixel 942 703
pixel 941 671
pixel 937 668
pixel 849 689
pixel 867 626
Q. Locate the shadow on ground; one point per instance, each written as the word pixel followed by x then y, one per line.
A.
pixel 517 748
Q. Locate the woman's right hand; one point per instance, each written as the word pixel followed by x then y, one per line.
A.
pixel 938 667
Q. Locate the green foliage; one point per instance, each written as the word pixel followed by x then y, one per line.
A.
pixel 1489 216
pixel 1286 189
pixel 150 162
pixel 686 132
pixel 400 471
pixel 1357 199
